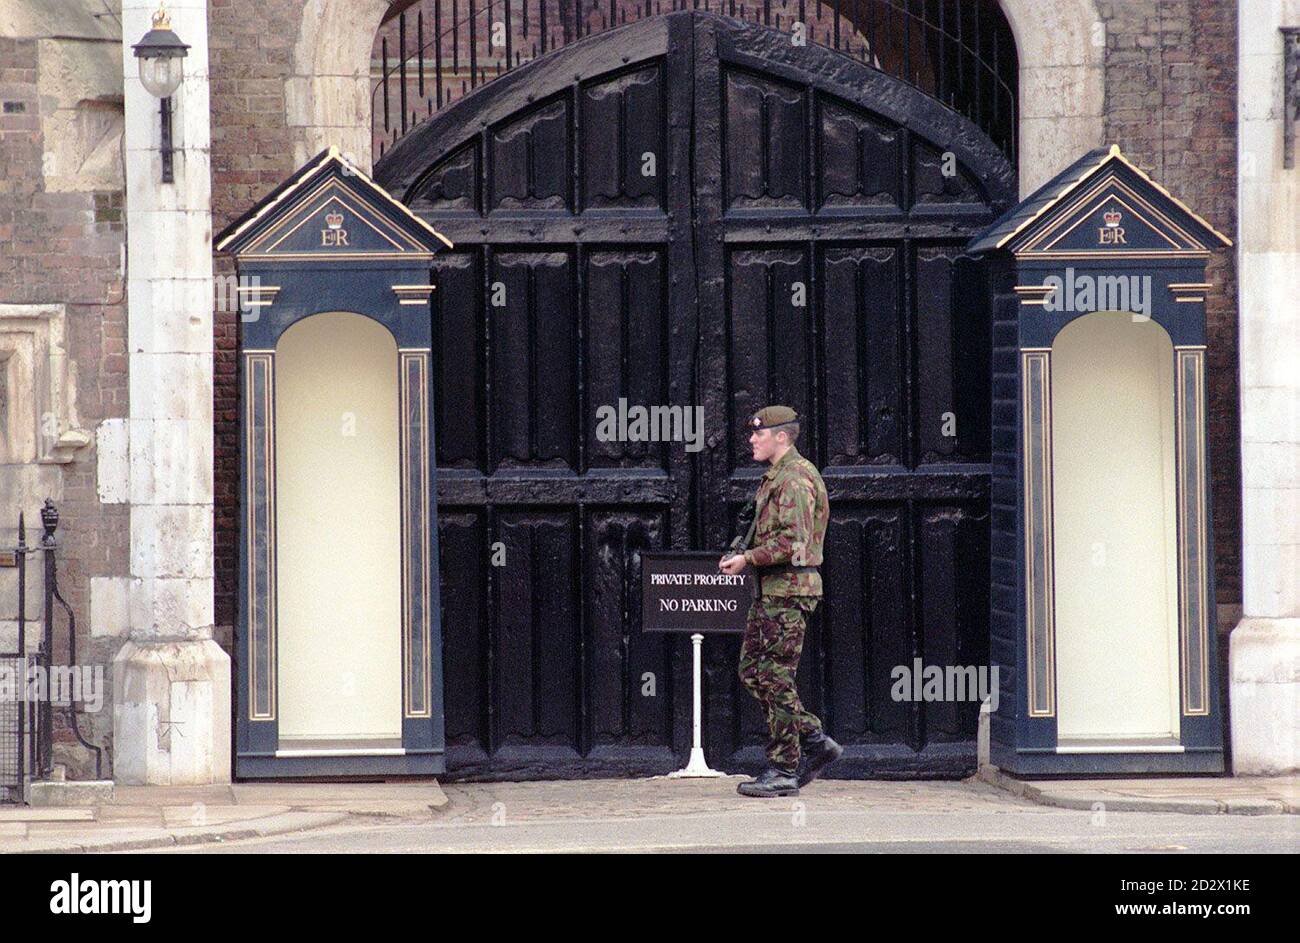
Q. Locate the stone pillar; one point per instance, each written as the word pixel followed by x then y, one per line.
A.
pixel 1264 659
pixel 171 681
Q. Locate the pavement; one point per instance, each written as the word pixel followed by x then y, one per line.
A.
pixel 155 817
pixel 649 813
pixel 1192 795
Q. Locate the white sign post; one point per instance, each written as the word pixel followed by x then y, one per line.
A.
pixel 696 768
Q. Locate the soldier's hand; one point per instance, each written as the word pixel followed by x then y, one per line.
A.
pixel 732 565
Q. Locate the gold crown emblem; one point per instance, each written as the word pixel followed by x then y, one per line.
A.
pixel 334 220
pixel 1112 217
pixel 161 18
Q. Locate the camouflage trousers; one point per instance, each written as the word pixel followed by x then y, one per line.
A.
pixel 769 658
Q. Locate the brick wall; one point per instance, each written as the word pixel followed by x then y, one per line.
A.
pixel 1171 105
pixel 66 248
pixel 250 50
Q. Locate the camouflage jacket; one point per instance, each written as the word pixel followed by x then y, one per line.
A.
pixel 790 526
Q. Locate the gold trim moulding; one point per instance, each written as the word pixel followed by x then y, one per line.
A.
pixel 1189 297
pixel 1033 288
pixel 1065 191
pixel 1038 523
pixel 1190 286
pixel 257 289
pixel 325 158
pixel 1108 254
pixel 1107 189
pixel 413 294
pixel 1121 747
pixel 264 244
pixel 334 256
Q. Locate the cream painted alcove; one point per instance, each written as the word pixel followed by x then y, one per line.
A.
pixel 1114 527
pixel 338 531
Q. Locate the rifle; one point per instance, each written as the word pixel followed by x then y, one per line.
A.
pixel 744 529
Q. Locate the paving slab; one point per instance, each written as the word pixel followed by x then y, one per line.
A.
pixel 144 817
pixel 1205 795
pixel 22 813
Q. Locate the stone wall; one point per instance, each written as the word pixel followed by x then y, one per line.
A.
pixel 61 266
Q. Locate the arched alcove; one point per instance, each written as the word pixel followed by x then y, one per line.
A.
pixel 1114 529
pixel 338 560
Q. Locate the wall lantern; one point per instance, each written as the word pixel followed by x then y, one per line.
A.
pixel 160 53
pixel 1102 611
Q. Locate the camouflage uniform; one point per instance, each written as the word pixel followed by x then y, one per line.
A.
pixel 769 658
pixel 789 529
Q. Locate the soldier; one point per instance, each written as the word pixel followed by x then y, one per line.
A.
pixel 788 530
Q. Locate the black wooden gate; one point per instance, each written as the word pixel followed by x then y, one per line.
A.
pixel 693 210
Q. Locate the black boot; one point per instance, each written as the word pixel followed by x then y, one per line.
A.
pixel 819 751
pixel 773 781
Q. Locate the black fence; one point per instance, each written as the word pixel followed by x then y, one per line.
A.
pixel 13 731
pixel 27 720
pixel 431 53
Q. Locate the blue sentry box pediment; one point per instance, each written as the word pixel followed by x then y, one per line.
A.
pixel 331 239
pixel 1100 207
pixel 1100 240
pixel 329 211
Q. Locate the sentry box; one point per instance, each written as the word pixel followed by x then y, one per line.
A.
pixel 338 652
pixel 1102 621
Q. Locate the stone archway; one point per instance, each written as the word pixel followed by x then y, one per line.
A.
pixel 327 99
pixel 1061 48
pixel 1062 51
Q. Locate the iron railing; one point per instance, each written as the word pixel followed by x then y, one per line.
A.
pixel 27 722
pixel 15 721
pixel 434 52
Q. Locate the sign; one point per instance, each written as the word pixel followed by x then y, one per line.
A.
pixel 684 591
